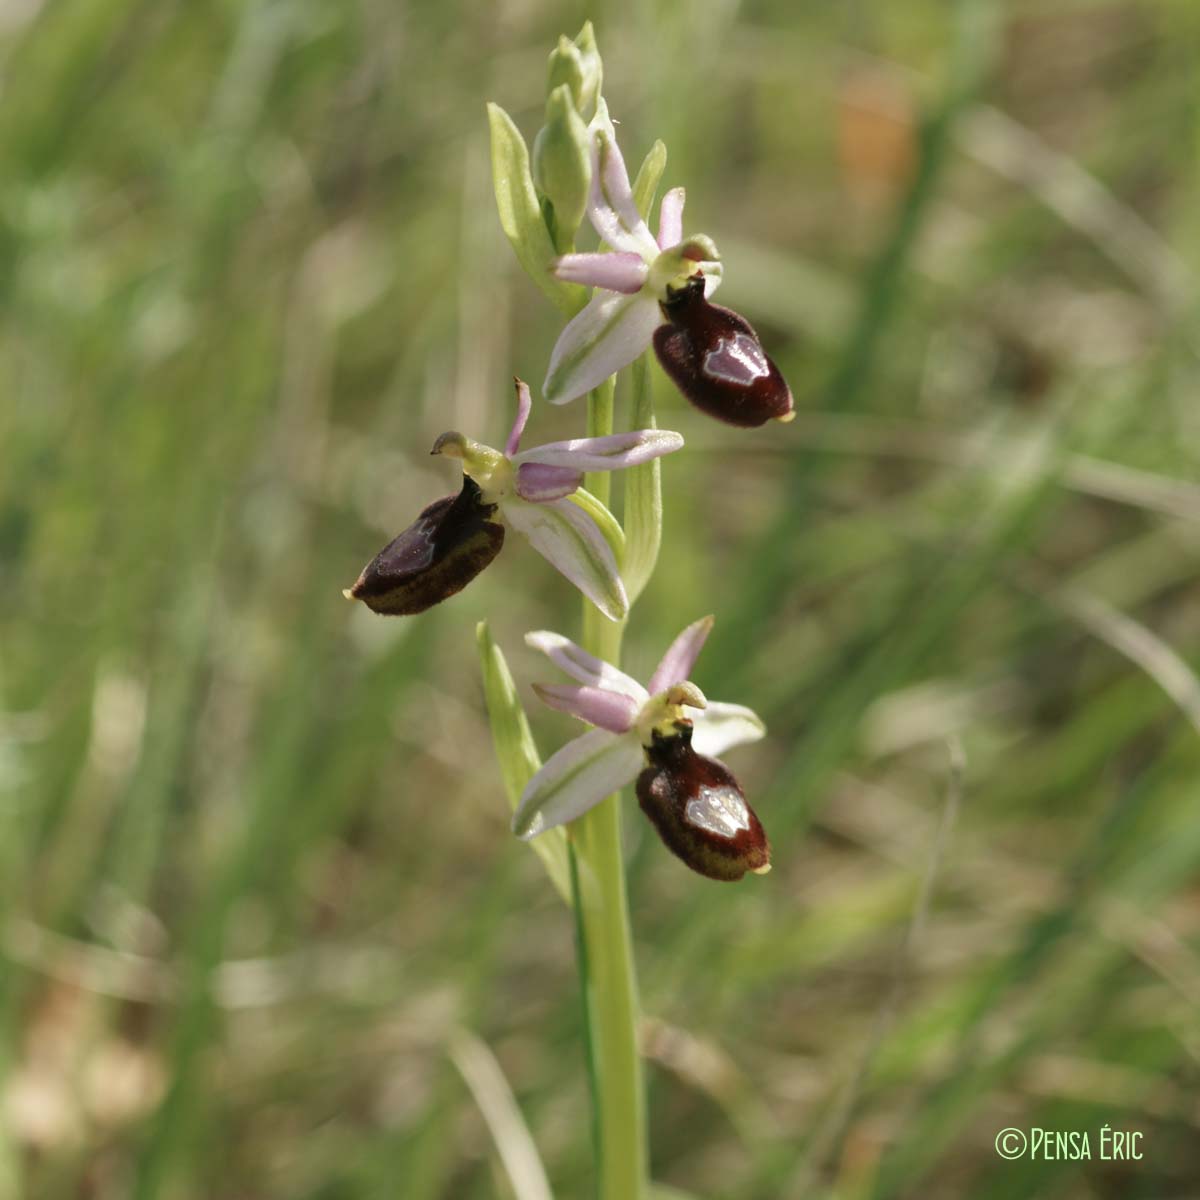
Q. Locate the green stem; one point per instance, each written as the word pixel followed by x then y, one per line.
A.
pixel 610 987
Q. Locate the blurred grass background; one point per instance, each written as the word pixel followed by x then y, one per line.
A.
pixel 254 861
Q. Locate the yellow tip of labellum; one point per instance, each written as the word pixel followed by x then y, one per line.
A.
pixel 348 593
pixel 787 416
pixel 763 869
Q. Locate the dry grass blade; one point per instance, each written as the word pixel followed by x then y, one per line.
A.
pixel 482 1074
pixel 854 434
pixel 1080 199
pixel 1134 641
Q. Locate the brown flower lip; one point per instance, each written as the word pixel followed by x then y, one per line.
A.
pixel 699 810
pixel 435 557
pixel 715 359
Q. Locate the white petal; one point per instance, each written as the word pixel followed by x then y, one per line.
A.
pixel 577 778
pixel 585 667
pixel 608 334
pixel 612 452
pixel 719 727
pixel 612 209
pixel 570 541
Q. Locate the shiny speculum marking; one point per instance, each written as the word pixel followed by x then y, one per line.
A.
pixel 739 360
pixel 720 810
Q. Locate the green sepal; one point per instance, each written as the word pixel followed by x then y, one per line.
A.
pixel 562 166
pixel 516 751
pixel 521 215
pixel 646 184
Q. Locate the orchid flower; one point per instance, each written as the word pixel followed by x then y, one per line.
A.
pixel 537 492
pixel 712 354
pixel 662 735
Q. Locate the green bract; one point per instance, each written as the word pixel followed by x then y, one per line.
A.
pixel 518 756
pixel 562 167
pixel 521 214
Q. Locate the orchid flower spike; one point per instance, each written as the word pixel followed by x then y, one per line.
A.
pixel 713 355
pixel 662 735
pixel 534 491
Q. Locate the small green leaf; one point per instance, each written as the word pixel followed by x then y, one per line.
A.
pixel 521 213
pixel 516 752
pixel 648 177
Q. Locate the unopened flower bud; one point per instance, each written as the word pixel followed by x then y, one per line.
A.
pixel 577 64
pixel 715 359
pixel 436 556
pixel 562 166
pixel 699 809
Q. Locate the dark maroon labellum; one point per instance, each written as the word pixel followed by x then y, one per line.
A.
pixel 699 809
pixel 715 359
pixel 437 555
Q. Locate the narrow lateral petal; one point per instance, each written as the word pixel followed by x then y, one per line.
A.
pixel 612 209
pixel 621 271
pixel 577 778
pixel 720 726
pixel 609 453
pixel 681 656
pixel 539 482
pixel 568 539
pixel 670 219
pixel 608 334
pixel 524 404
pixel 597 706
pixel 575 661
